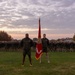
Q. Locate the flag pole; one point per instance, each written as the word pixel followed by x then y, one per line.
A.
pixel 39 44
pixel 39 33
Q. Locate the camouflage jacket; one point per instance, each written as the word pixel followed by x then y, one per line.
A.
pixel 45 42
pixel 26 43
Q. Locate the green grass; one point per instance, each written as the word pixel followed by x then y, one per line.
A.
pixel 62 63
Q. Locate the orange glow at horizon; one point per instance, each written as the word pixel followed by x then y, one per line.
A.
pixel 18 33
pixel 49 36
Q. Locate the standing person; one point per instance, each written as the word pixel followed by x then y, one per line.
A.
pixel 45 45
pixel 26 43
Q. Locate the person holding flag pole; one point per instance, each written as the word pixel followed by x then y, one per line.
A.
pixel 45 45
pixel 42 45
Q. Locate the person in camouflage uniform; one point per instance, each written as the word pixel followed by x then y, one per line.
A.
pixel 27 43
pixel 45 45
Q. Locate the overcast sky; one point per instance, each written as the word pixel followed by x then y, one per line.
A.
pixel 18 17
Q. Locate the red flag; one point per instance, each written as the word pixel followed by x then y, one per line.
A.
pixel 39 44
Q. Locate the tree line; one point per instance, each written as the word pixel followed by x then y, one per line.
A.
pixel 7 44
pixel 4 36
pixel 53 46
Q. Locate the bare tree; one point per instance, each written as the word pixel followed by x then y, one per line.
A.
pixel 4 36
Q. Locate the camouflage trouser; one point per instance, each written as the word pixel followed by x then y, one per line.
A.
pixel 45 49
pixel 27 52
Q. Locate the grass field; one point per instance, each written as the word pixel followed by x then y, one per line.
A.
pixel 62 63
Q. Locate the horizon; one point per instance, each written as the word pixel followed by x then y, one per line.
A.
pixel 51 37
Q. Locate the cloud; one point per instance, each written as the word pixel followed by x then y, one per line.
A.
pixel 57 15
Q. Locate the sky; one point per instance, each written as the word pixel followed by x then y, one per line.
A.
pixel 18 17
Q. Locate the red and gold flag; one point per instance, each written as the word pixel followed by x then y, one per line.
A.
pixel 39 44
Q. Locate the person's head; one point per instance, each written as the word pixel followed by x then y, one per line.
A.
pixel 44 35
pixel 27 35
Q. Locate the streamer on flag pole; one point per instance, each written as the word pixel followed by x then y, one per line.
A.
pixel 39 44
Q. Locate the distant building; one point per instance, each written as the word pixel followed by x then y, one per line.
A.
pixel 35 39
pixel 65 40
